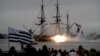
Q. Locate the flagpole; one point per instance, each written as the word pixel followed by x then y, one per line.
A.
pixel 8 39
pixel 8 42
pixel 22 47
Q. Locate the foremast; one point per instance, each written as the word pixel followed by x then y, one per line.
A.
pixel 42 20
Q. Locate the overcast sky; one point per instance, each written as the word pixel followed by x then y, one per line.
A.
pixel 16 13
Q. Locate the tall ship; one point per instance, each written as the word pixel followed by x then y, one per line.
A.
pixel 58 22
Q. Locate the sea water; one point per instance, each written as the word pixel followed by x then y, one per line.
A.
pixel 87 44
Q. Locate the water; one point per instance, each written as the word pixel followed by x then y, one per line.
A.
pixel 87 44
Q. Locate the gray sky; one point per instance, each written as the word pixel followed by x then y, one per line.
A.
pixel 16 13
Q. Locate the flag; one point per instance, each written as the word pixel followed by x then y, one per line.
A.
pixel 78 27
pixel 19 36
pixel 12 34
pixel 78 30
pixel 25 37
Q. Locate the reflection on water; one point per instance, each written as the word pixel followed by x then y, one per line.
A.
pixel 65 45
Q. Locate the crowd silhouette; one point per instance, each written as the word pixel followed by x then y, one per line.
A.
pixel 29 50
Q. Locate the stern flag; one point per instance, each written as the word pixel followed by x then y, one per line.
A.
pixel 78 27
pixel 78 30
pixel 19 36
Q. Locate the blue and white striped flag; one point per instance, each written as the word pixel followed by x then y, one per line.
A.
pixel 19 36
pixel 13 34
pixel 25 37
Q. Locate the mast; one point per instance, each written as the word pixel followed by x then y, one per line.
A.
pixel 42 19
pixel 58 20
pixel 67 23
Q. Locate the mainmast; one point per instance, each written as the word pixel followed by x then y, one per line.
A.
pixel 42 19
pixel 58 20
